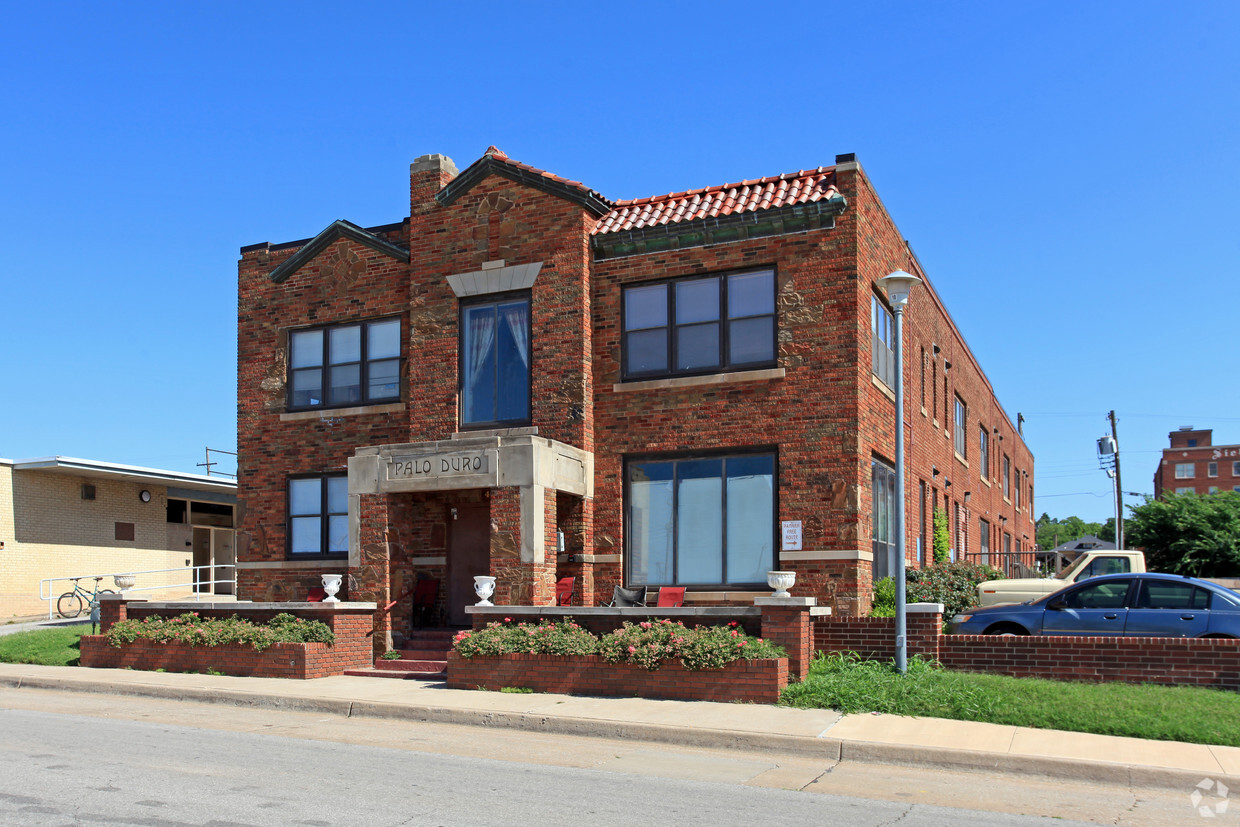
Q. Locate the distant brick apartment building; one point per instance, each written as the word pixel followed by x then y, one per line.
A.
pixel 526 379
pixel 1193 465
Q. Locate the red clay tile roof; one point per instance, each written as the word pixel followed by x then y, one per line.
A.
pixel 805 186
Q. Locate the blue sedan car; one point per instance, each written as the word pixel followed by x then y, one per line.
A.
pixel 1146 605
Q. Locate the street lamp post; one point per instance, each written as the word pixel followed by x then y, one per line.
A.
pixel 898 286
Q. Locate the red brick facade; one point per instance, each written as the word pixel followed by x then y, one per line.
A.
pixel 819 409
pixel 1194 465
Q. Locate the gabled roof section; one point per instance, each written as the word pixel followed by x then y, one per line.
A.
pixel 495 162
pixel 803 187
pixel 337 230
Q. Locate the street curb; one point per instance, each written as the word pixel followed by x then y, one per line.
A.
pixel 832 749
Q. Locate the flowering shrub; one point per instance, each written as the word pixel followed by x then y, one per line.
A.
pixel 954 585
pixel 197 631
pixel 563 638
pixel 646 644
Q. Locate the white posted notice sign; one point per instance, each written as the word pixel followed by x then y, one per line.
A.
pixel 792 535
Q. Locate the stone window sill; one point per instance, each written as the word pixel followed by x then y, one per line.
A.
pixel 699 381
pixel 332 413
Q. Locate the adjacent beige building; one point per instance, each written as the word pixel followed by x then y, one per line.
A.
pixel 62 517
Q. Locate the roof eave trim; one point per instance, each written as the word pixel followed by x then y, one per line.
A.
pixel 334 231
pixel 488 165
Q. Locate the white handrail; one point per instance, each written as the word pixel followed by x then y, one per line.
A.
pixel 46 592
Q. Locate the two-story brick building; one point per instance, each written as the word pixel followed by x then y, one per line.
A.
pixel 526 379
pixel 1194 465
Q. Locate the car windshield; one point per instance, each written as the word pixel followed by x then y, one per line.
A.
pixel 1072 569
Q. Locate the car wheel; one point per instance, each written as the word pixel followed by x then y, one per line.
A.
pixel 1006 630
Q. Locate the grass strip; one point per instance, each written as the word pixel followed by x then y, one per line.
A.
pixel 48 647
pixel 843 682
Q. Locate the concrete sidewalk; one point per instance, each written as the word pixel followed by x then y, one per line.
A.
pixel 886 739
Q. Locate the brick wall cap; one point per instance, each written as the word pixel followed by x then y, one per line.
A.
pixel 530 612
pixel 785 601
pixel 923 608
pixel 246 606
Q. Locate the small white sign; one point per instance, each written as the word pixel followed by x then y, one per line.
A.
pixel 792 535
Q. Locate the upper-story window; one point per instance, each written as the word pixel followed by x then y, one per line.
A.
pixel 961 412
pixel 699 325
pixel 983 451
pixel 1212 469
pixel 1007 477
pixel 883 355
pixel 1184 470
pixel 345 364
pixel 1235 469
pixel 495 362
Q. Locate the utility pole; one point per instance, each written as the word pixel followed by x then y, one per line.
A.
pixel 1119 489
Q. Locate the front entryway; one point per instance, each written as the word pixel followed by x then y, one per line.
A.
pixel 469 555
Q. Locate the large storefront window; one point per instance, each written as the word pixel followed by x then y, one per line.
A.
pixel 495 362
pixel 702 521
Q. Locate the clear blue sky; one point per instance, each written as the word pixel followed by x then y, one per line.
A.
pixel 1068 173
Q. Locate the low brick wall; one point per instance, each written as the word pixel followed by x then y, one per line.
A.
pixel 1178 661
pixel 352 624
pixel 283 660
pixel 753 681
pixel 1175 661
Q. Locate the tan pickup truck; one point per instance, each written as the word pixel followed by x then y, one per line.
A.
pixel 1089 564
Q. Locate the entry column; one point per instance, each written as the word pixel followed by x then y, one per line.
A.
pixel 523 526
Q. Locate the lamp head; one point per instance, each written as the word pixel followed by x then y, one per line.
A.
pixel 898 285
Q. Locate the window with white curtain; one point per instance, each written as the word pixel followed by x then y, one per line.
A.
pixel 700 521
pixel 495 362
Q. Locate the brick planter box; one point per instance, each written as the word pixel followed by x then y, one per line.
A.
pixel 754 681
pixel 350 622
pixel 283 660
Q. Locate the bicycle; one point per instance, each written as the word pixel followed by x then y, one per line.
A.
pixel 70 604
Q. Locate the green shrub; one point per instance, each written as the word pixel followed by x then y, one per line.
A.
pixel 647 644
pixel 197 631
pixel 563 638
pixel 942 539
pixel 954 585
pixel 884 604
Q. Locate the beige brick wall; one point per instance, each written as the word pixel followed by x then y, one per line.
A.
pixel 48 530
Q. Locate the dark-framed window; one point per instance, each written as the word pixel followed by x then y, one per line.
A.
pixel 961 443
pixel 697 325
pixel 983 539
pixel 883 517
pixel 495 362
pixel 700 520
pixel 1007 477
pixel 344 364
pixel 882 351
pixel 983 451
pixel 318 515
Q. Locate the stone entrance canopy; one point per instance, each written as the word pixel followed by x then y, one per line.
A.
pixel 533 465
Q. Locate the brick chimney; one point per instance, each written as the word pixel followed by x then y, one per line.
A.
pixel 427 176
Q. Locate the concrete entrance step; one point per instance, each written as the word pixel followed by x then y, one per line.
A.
pixel 399 674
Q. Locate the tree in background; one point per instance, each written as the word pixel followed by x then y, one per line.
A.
pixel 1197 535
pixel 1052 532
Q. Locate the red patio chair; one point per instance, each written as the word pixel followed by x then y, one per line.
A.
pixel 564 591
pixel 316 595
pixel 671 596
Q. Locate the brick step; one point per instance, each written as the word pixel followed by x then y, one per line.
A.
pixel 418 664
pixel 435 638
pixel 426 653
pixel 398 674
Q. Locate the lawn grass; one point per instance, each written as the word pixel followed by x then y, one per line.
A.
pixel 1166 713
pixel 50 647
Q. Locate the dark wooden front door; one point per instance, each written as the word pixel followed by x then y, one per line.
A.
pixel 469 554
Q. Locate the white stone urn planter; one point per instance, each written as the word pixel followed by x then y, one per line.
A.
pixel 331 585
pixel 124 581
pixel 484 587
pixel 781 581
